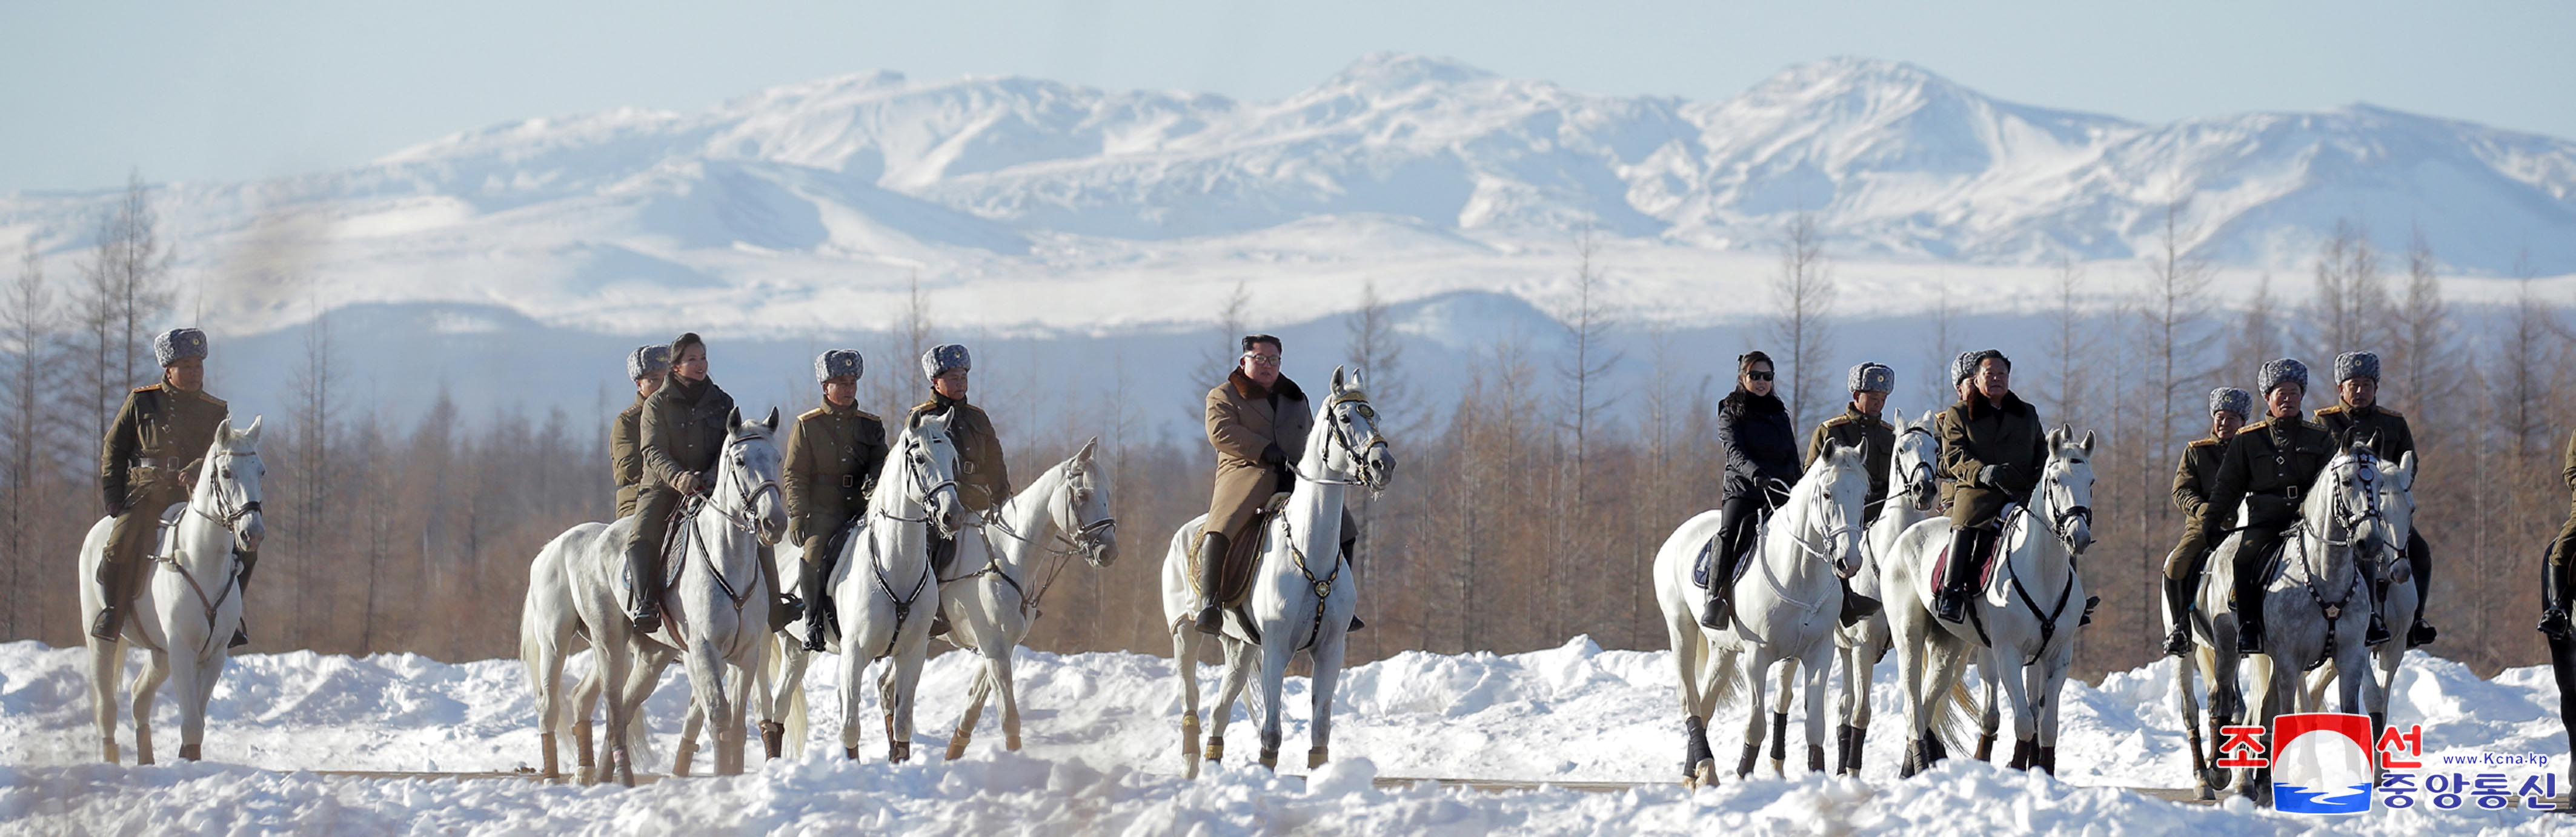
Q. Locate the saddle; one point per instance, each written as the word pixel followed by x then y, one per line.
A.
pixel 1986 563
pixel 833 543
pixel 1242 555
pixel 675 545
pixel 1701 564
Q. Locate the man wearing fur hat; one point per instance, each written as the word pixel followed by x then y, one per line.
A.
pixel 1860 426
pixel 2357 418
pixel 983 478
pixel 834 454
pixel 2194 476
pixel 148 462
pixel 1257 421
pixel 1991 442
pixel 2266 467
pixel 646 367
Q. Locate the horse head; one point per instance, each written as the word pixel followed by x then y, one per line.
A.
pixel 2065 492
pixel 1085 510
pixel 1841 477
pixel 749 489
pixel 1357 447
pixel 1913 468
pixel 228 484
pixel 2349 495
pixel 928 462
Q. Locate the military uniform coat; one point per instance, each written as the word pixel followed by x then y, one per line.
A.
pixel 1244 419
pixel 2382 428
pixel 2566 543
pixel 983 478
pixel 144 464
pixel 2269 467
pixel 1977 433
pixel 1875 437
pixel 2194 476
pixel 626 456
pixel 682 435
pixel 833 457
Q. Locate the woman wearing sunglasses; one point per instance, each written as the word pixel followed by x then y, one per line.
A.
pixel 1761 465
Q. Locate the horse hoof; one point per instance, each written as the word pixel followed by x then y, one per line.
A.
pixel 899 752
pixel 1270 758
pixel 1986 747
pixel 189 752
pixel 1215 751
pixel 853 752
pixel 957 748
pixel 1316 757
pixel 1702 776
pixel 1011 742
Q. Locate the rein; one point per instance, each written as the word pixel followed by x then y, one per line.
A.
pixel 230 522
pixel 1085 540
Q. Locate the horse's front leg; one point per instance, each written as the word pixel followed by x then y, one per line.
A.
pixel 854 669
pixel 192 714
pixel 1906 632
pixel 106 668
pixel 976 694
pixel 1755 671
pixel 147 688
pixel 1819 663
pixel 1003 679
pixel 2016 682
pixel 1788 673
pixel 1185 665
pixel 736 738
pixel 1327 658
pixel 2187 708
pixel 2050 685
pixel 1240 666
pixel 1274 669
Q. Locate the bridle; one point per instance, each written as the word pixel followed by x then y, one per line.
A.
pixel 229 515
pixel 922 489
pixel 2062 518
pixel 1086 540
pixel 1338 428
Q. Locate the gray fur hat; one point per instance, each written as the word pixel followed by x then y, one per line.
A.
pixel 1872 377
pixel 2283 371
pixel 2231 400
pixel 2350 365
pixel 178 344
pixel 648 361
pixel 839 363
pixel 944 357
pixel 1963 368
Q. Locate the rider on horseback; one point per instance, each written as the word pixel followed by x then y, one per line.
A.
pixel 2267 467
pixel 1860 426
pixel 1992 444
pixel 1257 421
pixel 983 478
pixel 1761 466
pixel 148 462
pixel 2560 578
pixel 2194 476
pixel 647 366
pixel 1963 374
pixel 833 456
pixel 2357 418
pixel 682 430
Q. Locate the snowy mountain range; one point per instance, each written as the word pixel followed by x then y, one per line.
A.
pixel 1026 205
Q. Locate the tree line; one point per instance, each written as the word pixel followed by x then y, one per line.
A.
pixel 1526 511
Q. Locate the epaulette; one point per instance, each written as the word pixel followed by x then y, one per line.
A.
pixel 1883 425
pixel 1838 421
pixel 2255 426
pixel 2391 413
pixel 148 388
pixel 818 411
pixel 213 400
pixel 869 416
pixel 2205 443
pixel 2337 409
pixel 2312 425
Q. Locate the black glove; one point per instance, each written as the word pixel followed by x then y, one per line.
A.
pixel 1272 455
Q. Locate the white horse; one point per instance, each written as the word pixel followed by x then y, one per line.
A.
pixel 1913 496
pixel 549 626
pixel 1786 607
pixel 2020 628
pixel 2318 609
pixel 2396 487
pixel 1295 604
pixel 990 594
pixel 715 613
pixel 2214 659
pixel 191 599
pixel 883 586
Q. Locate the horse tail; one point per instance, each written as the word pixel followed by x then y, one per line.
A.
pixel 796 717
pixel 1958 716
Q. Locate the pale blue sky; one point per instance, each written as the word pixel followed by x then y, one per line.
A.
pixel 224 91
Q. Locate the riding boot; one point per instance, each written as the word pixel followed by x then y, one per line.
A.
pixel 1954 592
pixel 816 623
pixel 241 631
pixel 2178 604
pixel 2553 603
pixel 1735 521
pixel 111 579
pixel 644 595
pixel 2249 608
pixel 2419 560
pixel 1212 547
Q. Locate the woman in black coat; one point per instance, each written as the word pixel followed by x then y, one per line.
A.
pixel 1761 465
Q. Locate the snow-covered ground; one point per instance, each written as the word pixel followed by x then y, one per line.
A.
pixel 1102 756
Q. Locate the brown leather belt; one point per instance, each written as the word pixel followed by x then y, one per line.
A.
pixel 849 480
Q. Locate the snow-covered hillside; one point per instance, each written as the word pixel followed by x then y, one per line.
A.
pixel 1030 204
pixel 1100 757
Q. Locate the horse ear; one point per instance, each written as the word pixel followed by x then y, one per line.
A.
pixel 733 418
pixel 1337 378
pixel 1084 455
pixel 224 430
pixel 251 434
pixel 2406 471
pixel 773 419
pixel 2088 441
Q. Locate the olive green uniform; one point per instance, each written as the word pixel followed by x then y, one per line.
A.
pixel 834 455
pixel 626 456
pixel 1874 436
pixel 2269 467
pixel 146 463
pixel 682 431
pixel 2195 475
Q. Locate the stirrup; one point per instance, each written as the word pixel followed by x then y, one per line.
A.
pixel 241 637
pixel 2421 633
pixel 646 619
pixel 103 628
pixel 1356 624
pixel 2555 624
pixel 2378 633
pixel 2178 643
pixel 1953 606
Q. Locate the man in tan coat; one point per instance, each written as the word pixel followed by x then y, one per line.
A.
pixel 148 462
pixel 646 367
pixel 1257 421
pixel 1992 444
pixel 834 454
